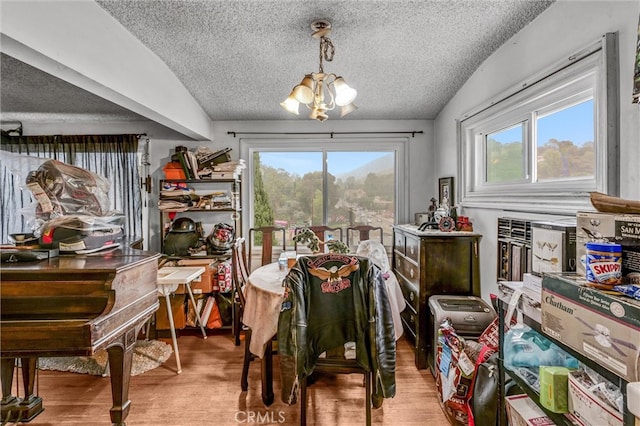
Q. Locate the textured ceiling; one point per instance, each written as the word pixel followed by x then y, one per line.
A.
pixel 239 59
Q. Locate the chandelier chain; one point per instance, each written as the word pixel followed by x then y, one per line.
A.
pixel 326 51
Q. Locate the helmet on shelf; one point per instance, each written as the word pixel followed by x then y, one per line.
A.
pixel 181 237
pixel 221 237
pixel 183 224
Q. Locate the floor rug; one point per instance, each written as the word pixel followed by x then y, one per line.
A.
pixel 147 355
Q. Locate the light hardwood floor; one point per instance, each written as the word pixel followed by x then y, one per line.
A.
pixel 208 393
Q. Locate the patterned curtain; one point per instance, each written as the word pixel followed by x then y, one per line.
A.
pixel 113 156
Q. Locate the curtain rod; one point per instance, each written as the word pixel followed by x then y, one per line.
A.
pixel 412 133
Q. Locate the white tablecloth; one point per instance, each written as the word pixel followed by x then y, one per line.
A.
pixel 263 297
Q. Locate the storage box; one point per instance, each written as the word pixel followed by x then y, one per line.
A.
pixel 522 411
pixel 554 246
pixel 203 284
pixel 623 229
pixel 601 326
pixel 554 388
pixel 177 310
pixel 587 408
pixel 173 170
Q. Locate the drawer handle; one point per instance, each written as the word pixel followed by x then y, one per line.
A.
pixel 412 296
pixel 412 249
pixel 411 272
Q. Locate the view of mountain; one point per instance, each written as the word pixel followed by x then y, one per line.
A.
pixel 382 165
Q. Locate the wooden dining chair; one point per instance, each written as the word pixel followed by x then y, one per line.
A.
pixel 268 233
pixel 321 232
pixel 239 276
pixel 364 233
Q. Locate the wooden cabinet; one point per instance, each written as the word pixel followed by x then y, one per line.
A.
pixel 432 262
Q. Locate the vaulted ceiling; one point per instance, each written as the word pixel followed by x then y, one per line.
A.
pixel 240 59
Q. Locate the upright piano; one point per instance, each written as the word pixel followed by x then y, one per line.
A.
pixel 73 306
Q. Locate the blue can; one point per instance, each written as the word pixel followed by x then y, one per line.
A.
pixel 604 263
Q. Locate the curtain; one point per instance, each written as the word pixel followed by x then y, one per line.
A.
pixel 113 156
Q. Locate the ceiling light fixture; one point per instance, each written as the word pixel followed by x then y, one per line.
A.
pixel 322 92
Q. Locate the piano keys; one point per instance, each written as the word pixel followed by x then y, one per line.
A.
pixel 74 306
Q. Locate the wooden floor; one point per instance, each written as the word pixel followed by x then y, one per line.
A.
pixel 208 393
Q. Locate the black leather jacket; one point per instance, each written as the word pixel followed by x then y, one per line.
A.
pixel 332 299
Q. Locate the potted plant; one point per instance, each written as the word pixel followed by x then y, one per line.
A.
pixel 307 236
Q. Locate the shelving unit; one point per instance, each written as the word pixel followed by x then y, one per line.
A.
pixel 559 419
pixel 209 216
pixel 234 209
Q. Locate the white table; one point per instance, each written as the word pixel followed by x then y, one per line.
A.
pixel 169 278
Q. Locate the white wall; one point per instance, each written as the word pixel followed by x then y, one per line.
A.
pixel 563 28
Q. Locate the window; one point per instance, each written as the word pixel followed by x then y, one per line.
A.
pixel 345 184
pixel 544 147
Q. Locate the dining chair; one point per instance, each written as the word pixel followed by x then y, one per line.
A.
pixel 363 233
pixel 331 301
pixel 268 233
pixel 321 232
pixel 239 276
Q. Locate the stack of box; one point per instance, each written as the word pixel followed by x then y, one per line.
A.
pixel 598 325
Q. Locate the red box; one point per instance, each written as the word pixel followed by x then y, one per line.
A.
pixel 173 170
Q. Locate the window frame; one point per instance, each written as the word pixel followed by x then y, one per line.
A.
pixel 565 83
pixel 398 145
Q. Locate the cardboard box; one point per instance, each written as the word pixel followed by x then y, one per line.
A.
pixel 204 284
pixel 522 411
pixel 177 310
pixel 587 408
pixel 554 246
pixel 623 229
pixel 601 326
pixel 554 388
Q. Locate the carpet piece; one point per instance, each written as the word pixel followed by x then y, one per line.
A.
pixel 147 355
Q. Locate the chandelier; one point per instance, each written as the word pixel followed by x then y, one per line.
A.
pixel 322 92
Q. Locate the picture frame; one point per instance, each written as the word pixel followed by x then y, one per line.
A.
pixel 446 190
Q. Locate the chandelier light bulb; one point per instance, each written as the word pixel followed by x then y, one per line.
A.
pixel 303 92
pixel 345 94
pixel 290 104
pixel 347 109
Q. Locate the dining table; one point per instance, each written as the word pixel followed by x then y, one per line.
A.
pixel 264 293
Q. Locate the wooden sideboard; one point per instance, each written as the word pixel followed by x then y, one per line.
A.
pixel 428 263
